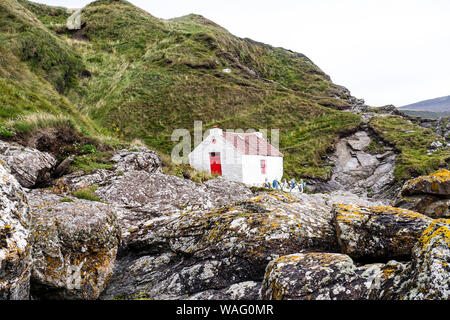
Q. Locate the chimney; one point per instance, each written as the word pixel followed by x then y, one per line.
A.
pixel 216 131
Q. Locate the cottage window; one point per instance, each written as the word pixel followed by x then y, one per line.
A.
pixel 263 166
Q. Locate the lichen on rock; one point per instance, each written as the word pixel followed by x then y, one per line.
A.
pixel 74 246
pixel 15 249
pixel 378 233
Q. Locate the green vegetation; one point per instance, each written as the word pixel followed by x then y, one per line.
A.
pixel 128 75
pixel 160 80
pixel 87 194
pixel 47 15
pixel 375 147
pixel 412 142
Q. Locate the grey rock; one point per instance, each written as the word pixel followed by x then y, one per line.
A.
pixel 177 256
pixel 29 166
pixel 248 290
pixel 359 141
pixel 159 194
pixel 378 233
pixel 429 274
pixel 428 205
pixel 323 276
pixel 15 248
pixel 359 172
pixel 74 246
pixel 137 159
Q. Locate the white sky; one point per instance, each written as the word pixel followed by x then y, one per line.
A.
pixel 384 51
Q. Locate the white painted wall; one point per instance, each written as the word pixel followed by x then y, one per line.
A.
pixel 251 168
pixel 235 166
pixel 231 159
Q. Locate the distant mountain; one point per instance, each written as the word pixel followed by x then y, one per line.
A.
pixel 433 108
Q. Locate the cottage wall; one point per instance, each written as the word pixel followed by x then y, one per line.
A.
pixel 251 168
pixel 230 157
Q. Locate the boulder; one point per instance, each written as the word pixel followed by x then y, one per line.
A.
pixel 183 254
pixel 437 184
pixel 378 233
pixel 325 276
pixel 428 205
pixel 429 277
pixel 137 159
pixel 428 195
pixel 29 166
pixel 74 246
pixel 15 248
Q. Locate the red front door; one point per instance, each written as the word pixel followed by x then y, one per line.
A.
pixel 216 165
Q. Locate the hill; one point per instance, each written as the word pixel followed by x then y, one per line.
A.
pixel 129 75
pixel 432 108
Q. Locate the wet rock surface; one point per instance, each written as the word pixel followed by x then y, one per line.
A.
pixel 15 248
pixel 29 166
pixel 74 246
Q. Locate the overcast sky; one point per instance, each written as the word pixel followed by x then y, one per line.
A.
pixel 384 51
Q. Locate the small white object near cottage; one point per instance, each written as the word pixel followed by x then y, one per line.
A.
pixel 241 157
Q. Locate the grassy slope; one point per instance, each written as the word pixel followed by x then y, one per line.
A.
pixel 36 69
pixel 49 16
pixel 151 76
pixel 412 142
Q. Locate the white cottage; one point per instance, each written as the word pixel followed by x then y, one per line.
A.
pixel 241 157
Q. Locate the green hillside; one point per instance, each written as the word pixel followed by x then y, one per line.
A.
pixel 134 76
pixel 151 76
pixel 37 70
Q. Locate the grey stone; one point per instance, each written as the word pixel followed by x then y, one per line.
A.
pixel 29 166
pixel 74 246
pixel 15 248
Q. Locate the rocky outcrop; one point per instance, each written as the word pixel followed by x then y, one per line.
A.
pixel 159 194
pixel 325 276
pixel 137 159
pixel 429 195
pixel 249 290
pixel 358 171
pixel 441 126
pixel 329 276
pixel 437 184
pixel 142 191
pixel 378 233
pixel 15 249
pixel 429 277
pixel 74 246
pixel 29 166
pixel 189 253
